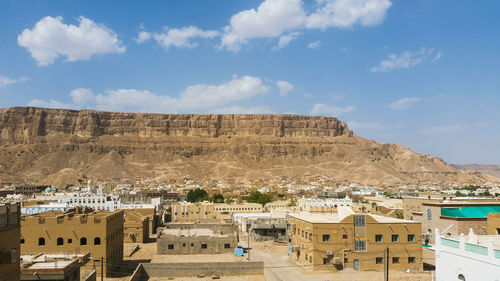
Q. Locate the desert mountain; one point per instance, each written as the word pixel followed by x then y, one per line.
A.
pixel 56 146
pixel 491 170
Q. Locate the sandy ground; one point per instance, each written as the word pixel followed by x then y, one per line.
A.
pixel 278 267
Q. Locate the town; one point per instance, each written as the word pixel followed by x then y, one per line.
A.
pixel 280 230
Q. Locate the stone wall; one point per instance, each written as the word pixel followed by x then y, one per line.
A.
pixel 208 268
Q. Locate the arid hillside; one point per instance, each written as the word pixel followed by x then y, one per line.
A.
pixel 491 170
pixel 55 146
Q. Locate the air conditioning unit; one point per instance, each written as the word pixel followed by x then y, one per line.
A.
pixel 8 256
pixel 336 260
pixel 329 253
pixel 426 236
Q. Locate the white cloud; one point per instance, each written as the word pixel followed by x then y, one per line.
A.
pixel 346 13
pixel 271 19
pixel 308 96
pixel 242 110
pixel 364 126
pixel 51 38
pixel 437 57
pixel 284 87
pixel 286 39
pixel 198 98
pixel 314 45
pixel 404 103
pixel 143 37
pixel 181 37
pixel 331 110
pixel 404 60
pixel 4 81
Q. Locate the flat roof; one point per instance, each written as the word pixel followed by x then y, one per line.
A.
pixel 469 211
pixel 335 218
pixel 192 232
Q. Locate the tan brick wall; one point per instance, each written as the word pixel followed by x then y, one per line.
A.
pixel 342 243
pixel 493 224
pixel 73 229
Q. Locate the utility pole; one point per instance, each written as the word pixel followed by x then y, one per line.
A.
pixel 386 265
pixel 248 243
pixel 102 269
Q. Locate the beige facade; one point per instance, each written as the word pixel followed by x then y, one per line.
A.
pixel 193 212
pixel 493 224
pixel 76 231
pixel 9 241
pixel 356 241
pixel 154 218
pixel 135 227
pixel 238 208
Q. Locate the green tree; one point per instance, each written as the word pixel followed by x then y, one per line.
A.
pixel 228 199
pixel 218 198
pixel 258 197
pixel 196 195
pixel 292 203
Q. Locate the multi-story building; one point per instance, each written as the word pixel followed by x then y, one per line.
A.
pixel 493 224
pixel 9 241
pixel 135 227
pixel 238 208
pixel 453 218
pixel 193 212
pixel 100 233
pixel 467 257
pixel 87 199
pixel 360 241
pixel 151 214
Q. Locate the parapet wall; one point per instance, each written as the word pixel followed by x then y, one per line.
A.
pixel 209 268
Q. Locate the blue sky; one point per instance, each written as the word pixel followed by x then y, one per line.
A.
pixel 421 73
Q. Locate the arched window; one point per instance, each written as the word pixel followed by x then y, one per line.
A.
pixel 461 277
pixel 60 241
pixel 83 241
pixel 97 241
pixel 41 241
pixel 429 214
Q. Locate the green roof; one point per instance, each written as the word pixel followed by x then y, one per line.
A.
pixel 470 212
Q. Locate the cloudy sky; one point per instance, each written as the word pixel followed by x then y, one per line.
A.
pixel 422 73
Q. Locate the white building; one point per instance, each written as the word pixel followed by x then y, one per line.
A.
pixel 96 201
pixel 467 257
pixel 305 203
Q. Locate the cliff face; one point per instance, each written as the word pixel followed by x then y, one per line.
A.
pixel 61 147
pixel 25 123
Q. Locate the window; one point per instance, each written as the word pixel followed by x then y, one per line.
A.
pixel 378 238
pixel 411 259
pixel 203 246
pixel 310 259
pixel 70 241
pixel 192 244
pixel 360 245
pixel 170 246
pixel 60 241
pixel 302 233
pixel 83 241
pixel 346 260
pixel 344 236
pixel 326 237
pixel 395 260
pixel 461 277
pixel 41 241
pixel 310 236
pixel 326 260
pixel 498 231
pixel 227 246
pixel 379 260
pixel 411 237
pixel 359 221
pixel 429 214
pixel 97 241
pixel 183 244
pixel 395 238
pixel 22 241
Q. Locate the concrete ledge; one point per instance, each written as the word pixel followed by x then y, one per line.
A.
pixel 208 268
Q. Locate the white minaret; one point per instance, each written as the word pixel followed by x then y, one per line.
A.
pixel 89 187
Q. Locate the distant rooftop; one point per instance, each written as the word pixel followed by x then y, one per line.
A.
pixel 192 232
